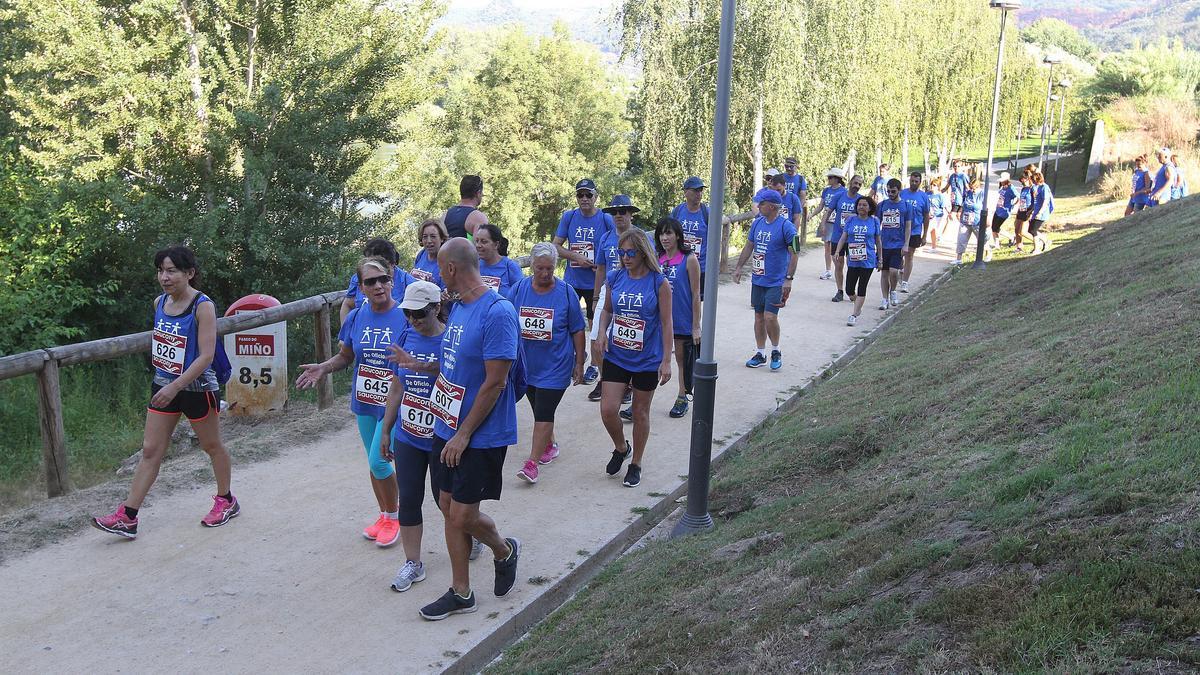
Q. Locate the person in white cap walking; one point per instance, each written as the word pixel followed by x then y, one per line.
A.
pixel 827 217
pixel 1004 204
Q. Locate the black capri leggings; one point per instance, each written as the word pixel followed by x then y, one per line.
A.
pixel 860 276
pixel 997 222
pixel 543 402
pixel 412 464
pixel 1034 226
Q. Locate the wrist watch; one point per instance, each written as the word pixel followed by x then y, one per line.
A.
pixel 790 277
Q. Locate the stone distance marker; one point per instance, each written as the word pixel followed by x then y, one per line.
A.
pixel 259 383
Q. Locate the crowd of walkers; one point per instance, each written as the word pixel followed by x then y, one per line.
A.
pixel 1166 184
pixel 442 352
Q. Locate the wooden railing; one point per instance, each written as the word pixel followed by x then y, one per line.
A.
pixel 46 363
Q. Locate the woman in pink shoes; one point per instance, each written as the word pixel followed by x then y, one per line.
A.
pixel 367 333
pixel 551 329
pixel 182 348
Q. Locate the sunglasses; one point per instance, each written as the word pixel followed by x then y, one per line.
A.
pixel 626 252
pixel 622 212
pixel 419 313
pixel 381 279
pixel 585 194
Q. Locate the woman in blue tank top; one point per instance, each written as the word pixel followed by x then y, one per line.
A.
pixel 183 343
pixel 682 270
pixel 495 267
pixel 365 337
pixel 636 340
pixel 1139 194
pixel 937 211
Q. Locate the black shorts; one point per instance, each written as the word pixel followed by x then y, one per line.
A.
pixel 195 405
pixel 957 208
pixel 478 476
pixel 643 381
pixel 701 284
pixel 839 251
pixel 915 241
pixel 1022 216
pixel 997 221
pixel 589 302
pixel 543 402
pixel 892 259
pixel 1034 226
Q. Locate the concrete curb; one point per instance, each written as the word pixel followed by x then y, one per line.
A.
pixel 517 626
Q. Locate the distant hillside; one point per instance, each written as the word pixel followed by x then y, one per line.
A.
pixel 1116 24
pixel 586 19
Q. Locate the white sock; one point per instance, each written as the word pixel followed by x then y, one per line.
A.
pixel 774 347
pixel 392 515
pixel 761 351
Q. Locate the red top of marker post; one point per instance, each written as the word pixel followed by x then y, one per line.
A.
pixel 250 303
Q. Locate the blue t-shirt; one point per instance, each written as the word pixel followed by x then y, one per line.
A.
pixel 414 420
pixel 792 207
pixel 369 334
pixel 958 186
pixel 846 208
pixel 1004 205
pixel 970 208
pixel 695 228
pixel 426 269
pixel 400 281
pixel 829 200
pixel 893 215
pixel 771 254
pixel 676 272
pixel 879 185
pixel 635 336
pixel 1043 202
pixel 546 322
pixel 860 241
pixel 606 253
pixel 582 234
pixel 918 208
pixel 795 184
pixel 1025 200
pixel 484 330
pixel 937 204
pixel 502 276
pixel 174 346
pixel 1141 181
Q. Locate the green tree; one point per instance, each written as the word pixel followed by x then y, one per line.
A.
pixel 1050 32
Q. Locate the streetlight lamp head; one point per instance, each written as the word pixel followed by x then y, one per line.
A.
pixel 1053 97
pixel 1007 5
pixel 1052 60
pixel 1064 83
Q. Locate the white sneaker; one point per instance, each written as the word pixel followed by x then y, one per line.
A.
pixel 958 261
pixel 903 289
pixel 883 304
pixel 851 320
pixel 408 575
pixel 894 300
pixel 826 275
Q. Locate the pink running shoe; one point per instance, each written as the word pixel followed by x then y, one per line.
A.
pixel 549 454
pixel 389 533
pixel 372 531
pixel 222 512
pixel 529 472
pixel 118 523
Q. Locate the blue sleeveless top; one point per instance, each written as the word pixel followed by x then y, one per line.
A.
pixel 676 272
pixel 456 220
pixel 173 346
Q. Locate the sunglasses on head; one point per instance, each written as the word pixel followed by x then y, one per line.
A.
pixel 626 252
pixel 585 194
pixel 381 279
pixel 419 313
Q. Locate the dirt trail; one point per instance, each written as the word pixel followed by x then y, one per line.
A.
pixel 291 585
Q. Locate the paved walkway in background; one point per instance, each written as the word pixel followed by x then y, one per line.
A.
pixel 292 586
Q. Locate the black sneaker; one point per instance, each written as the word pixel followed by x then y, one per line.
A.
pixel 506 570
pixel 449 603
pixel 756 361
pixel 618 458
pixel 680 408
pixel 595 393
pixel 628 397
pixel 633 476
pixel 838 297
pixel 627 414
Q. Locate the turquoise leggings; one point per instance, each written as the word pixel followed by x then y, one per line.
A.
pixel 370 429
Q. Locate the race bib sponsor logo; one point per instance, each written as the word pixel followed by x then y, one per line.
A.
pixel 536 323
pixel 758 263
pixel 856 252
pixel 492 282
pixel 422 275
pixel 167 351
pixel 446 401
pixel 585 248
pixel 416 415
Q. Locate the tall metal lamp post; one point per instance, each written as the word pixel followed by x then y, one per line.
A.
pixel 1050 61
pixel 1063 85
pixel 1005 6
pixel 696 518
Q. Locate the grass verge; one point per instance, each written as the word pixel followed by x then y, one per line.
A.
pixel 1005 486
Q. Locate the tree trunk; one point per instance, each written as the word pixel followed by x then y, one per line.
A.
pixel 200 146
pixel 904 155
pixel 758 145
pixel 251 43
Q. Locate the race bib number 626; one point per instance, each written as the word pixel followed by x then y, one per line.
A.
pixel 167 351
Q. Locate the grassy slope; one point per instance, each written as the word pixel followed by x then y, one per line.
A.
pixel 1010 486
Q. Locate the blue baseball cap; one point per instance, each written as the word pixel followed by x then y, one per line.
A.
pixel 586 184
pixel 620 202
pixel 693 183
pixel 768 195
